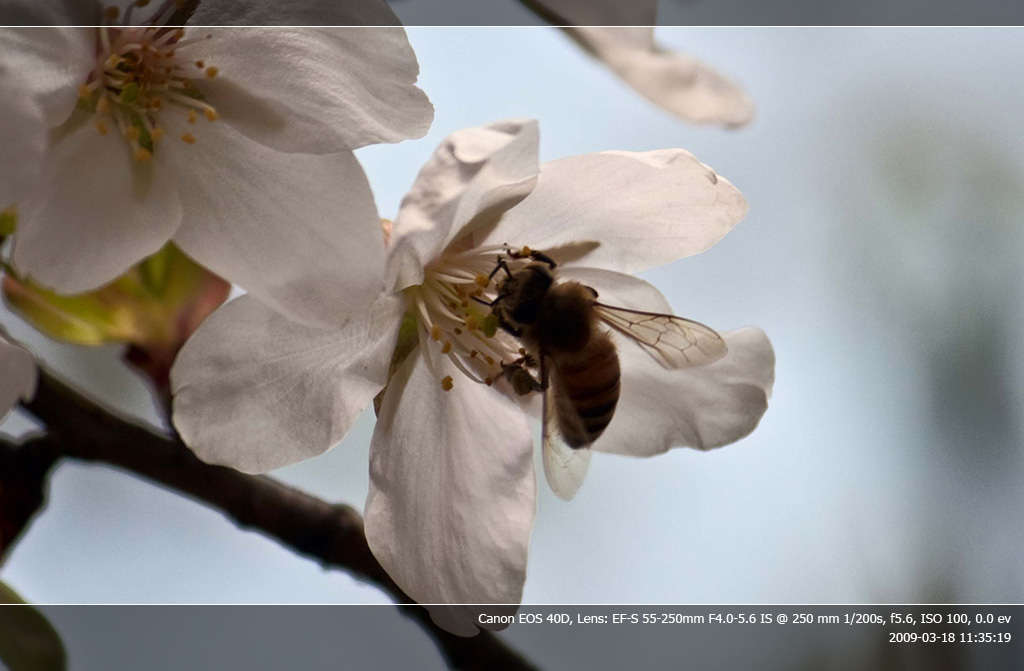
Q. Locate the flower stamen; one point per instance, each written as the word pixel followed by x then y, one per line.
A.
pixel 139 75
pixel 452 307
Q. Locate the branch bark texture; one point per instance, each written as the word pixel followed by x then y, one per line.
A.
pixel 331 534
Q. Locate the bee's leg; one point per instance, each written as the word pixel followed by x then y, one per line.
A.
pixel 522 381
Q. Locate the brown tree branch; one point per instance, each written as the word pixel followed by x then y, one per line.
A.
pixel 331 534
pixel 23 476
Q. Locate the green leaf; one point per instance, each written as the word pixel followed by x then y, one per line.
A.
pixel 28 642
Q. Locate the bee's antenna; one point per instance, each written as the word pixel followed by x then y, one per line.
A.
pixel 483 302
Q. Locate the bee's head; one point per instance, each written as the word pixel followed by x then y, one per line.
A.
pixel 534 279
pixel 520 294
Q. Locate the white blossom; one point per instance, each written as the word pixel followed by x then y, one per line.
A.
pixel 621 35
pixel 452 484
pixel 17 375
pixel 235 143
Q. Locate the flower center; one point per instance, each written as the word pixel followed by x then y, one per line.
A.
pixel 454 320
pixel 139 76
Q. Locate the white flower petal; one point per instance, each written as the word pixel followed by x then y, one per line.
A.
pixel 676 82
pixel 452 494
pixel 17 375
pixel 47 65
pixel 705 407
pixel 474 176
pixel 40 70
pixel 94 211
pixel 300 232
pixel 645 209
pixel 293 13
pixel 315 90
pixel 256 391
pixel 596 12
pixel 22 144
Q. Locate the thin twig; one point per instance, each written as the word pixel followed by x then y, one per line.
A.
pixel 331 534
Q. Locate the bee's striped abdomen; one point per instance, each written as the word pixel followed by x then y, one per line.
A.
pixel 587 389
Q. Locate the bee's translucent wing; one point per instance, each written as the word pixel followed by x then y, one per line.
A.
pixel 564 466
pixel 674 342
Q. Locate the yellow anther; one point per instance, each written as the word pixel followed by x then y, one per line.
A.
pixel 473 354
pixel 155 104
pixel 471 323
pixel 188 138
pixel 211 72
pixel 193 116
pixel 211 114
pixel 526 251
pixel 103 105
pixel 447 383
pixel 522 351
pixel 481 280
pixel 447 347
pixel 489 359
pixel 156 134
pixel 143 155
pixel 111 13
pixel 478 293
pixel 435 332
pixel 488 381
pixel 458 331
pixel 200 64
pixel 101 127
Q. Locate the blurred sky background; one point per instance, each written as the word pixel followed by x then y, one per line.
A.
pixel 882 254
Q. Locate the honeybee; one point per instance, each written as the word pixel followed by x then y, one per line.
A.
pixel 562 327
